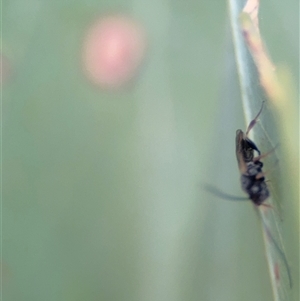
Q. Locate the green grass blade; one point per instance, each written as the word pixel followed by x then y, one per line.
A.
pixel 265 136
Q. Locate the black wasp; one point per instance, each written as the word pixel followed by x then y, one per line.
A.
pixel 252 176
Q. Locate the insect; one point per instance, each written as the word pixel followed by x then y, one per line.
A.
pixel 252 177
pixel 253 182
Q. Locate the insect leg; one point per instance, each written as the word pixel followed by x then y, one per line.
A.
pixel 223 195
pixel 258 158
pixel 263 174
pixel 266 205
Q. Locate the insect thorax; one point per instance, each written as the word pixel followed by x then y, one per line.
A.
pixel 255 187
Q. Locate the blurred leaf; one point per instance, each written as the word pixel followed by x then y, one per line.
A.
pixel 255 84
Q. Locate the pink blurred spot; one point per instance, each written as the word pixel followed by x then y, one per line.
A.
pixel 113 50
pixel 277 273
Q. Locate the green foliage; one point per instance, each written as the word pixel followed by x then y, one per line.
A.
pixel 103 194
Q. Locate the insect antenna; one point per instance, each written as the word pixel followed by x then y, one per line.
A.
pixel 254 121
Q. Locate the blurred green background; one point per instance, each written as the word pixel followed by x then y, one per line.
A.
pixel 103 194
